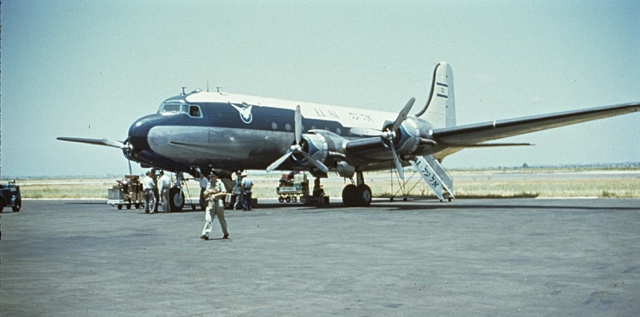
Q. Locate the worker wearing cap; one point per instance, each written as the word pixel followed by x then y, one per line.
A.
pixel 215 194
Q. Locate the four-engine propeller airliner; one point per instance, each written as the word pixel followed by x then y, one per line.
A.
pixel 205 131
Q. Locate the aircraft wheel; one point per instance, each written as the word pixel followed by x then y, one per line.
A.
pixel 176 199
pixel 349 195
pixel 363 195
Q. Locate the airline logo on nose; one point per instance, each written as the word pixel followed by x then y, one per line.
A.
pixel 245 112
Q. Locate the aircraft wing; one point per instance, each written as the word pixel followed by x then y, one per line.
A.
pixel 472 134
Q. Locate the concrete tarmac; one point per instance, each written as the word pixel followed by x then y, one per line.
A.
pixel 531 257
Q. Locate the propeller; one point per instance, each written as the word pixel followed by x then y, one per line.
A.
pixel 389 134
pixel 106 142
pixel 296 148
pixel 124 146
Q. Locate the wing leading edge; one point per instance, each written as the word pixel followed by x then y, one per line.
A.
pixel 469 135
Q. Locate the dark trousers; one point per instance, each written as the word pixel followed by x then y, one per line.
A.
pixel 246 202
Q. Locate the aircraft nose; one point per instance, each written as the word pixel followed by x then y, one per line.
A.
pixel 138 134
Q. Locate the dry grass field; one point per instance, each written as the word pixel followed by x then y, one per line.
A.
pixel 623 183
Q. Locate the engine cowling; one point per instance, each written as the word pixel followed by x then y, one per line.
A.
pixel 315 145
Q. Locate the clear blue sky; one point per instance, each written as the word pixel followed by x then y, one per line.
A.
pixel 91 68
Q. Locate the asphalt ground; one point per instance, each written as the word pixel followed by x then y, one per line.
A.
pixel 531 257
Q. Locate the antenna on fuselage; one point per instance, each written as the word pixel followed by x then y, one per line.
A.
pixel 207 85
pixel 182 94
pixel 218 89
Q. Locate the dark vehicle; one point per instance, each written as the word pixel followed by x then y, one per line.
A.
pixel 10 196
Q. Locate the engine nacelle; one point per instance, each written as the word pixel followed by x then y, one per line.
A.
pixel 314 145
pixel 407 138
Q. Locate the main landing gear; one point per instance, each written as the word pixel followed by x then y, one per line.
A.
pixel 358 194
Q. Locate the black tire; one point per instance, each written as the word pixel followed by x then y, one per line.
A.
pixel 176 199
pixel 18 205
pixel 363 195
pixel 280 199
pixel 349 195
pixel 119 207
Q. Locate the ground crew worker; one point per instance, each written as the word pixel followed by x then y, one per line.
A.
pixel 156 193
pixel 147 186
pixel 215 206
pixel 247 185
pixel 237 190
pixel 202 180
pixel 165 185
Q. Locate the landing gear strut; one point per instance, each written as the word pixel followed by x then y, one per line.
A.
pixel 358 194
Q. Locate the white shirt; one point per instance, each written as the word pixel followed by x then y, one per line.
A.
pixel 164 182
pixel 147 183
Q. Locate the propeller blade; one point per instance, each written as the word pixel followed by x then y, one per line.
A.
pixel 366 132
pixel 399 167
pixel 278 162
pixel 403 114
pixel 104 142
pixel 297 124
pixel 315 162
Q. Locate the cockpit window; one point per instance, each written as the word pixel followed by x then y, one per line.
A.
pixel 171 108
pixel 194 111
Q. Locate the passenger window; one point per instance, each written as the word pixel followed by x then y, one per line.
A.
pixel 194 111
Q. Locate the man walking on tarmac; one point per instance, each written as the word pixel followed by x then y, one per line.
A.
pixel 215 194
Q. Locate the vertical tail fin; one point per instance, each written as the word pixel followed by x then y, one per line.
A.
pixel 440 109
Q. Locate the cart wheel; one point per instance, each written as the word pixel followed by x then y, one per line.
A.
pixel 17 206
pixel 280 199
pixel 288 199
pixel 119 207
pixel 128 206
pixel 137 205
pixel 294 199
pixel 302 199
pixel 193 207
